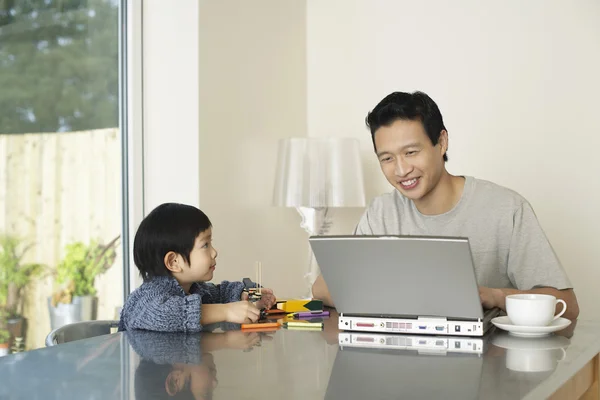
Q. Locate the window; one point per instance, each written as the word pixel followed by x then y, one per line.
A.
pixel 60 166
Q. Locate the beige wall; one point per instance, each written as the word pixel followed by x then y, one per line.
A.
pixel 517 83
pixel 252 78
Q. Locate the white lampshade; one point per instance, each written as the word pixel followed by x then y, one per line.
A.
pixel 319 172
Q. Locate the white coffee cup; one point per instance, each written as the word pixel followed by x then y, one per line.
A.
pixel 533 360
pixel 533 309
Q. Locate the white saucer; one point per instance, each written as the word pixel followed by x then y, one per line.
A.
pixel 511 342
pixel 530 331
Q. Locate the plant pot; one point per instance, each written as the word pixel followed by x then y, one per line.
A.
pixel 82 308
pixel 3 349
pixel 17 327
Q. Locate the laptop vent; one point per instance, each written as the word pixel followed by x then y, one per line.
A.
pixel 398 341
pixel 399 326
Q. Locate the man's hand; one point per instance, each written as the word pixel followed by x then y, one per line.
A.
pixel 267 299
pixel 490 297
pixel 241 312
pixel 320 291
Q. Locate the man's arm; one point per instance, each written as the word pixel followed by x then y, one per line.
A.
pixel 321 292
pixel 491 298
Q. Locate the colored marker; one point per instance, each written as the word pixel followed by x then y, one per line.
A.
pixel 303 328
pixel 303 324
pixel 261 325
pixel 312 314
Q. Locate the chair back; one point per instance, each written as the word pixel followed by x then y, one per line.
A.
pixel 80 330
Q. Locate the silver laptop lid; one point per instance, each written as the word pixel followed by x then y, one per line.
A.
pixel 407 276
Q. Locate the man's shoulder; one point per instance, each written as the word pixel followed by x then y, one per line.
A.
pixel 494 194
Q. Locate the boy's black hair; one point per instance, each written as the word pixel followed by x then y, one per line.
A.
pixel 169 227
pixel 415 106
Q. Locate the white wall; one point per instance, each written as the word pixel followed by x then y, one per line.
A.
pixel 170 102
pixel 517 83
pixel 252 80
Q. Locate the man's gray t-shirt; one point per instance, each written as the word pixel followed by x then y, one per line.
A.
pixel 509 247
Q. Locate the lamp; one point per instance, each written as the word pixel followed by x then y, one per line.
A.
pixel 314 174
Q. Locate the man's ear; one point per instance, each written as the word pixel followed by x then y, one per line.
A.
pixel 443 141
pixel 172 262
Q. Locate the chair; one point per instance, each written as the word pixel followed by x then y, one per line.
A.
pixel 80 330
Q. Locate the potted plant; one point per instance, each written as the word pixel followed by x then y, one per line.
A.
pixel 75 300
pixel 15 275
pixel 4 339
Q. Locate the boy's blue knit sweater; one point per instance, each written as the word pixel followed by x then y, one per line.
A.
pixel 160 304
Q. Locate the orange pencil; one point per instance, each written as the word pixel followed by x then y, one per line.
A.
pixel 261 325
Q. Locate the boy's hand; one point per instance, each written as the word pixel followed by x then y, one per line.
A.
pixel 241 312
pixel 267 299
pixel 242 340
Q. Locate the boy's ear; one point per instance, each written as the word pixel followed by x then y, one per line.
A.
pixel 172 262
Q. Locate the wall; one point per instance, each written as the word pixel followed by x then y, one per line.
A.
pixel 517 83
pixel 252 79
pixel 170 102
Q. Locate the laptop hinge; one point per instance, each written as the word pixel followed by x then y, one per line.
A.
pixel 432 319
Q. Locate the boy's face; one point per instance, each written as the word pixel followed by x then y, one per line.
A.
pixel 408 159
pixel 203 259
pixel 200 380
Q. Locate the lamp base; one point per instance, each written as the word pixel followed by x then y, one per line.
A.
pixel 315 221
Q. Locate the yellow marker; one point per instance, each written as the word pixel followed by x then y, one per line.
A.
pixel 304 324
pixel 303 328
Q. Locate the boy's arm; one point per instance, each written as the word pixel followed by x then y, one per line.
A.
pixel 212 313
pixel 172 314
pixel 225 292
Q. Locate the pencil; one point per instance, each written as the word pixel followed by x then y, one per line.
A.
pixel 258 277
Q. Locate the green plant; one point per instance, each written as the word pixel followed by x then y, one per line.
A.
pixel 15 275
pixel 4 336
pixel 80 266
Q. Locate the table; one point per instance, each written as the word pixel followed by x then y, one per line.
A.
pixel 232 364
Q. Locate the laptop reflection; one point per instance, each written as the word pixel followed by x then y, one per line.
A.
pixel 406 367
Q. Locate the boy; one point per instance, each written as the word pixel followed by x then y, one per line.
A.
pixel 174 253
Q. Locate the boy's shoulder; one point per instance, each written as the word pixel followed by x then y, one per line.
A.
pixel 157 285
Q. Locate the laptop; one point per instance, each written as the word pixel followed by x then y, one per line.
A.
pixel 403 284
pixel 360 373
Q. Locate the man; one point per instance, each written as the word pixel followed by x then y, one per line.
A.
pixel 510 251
